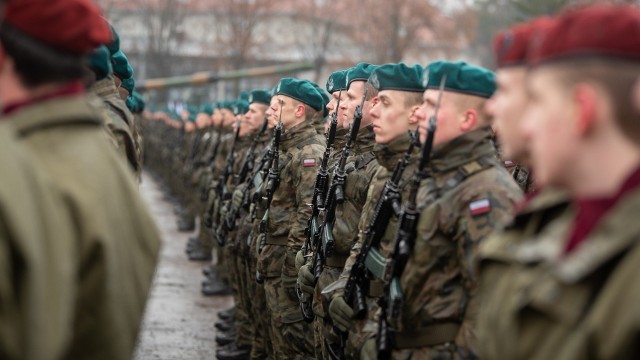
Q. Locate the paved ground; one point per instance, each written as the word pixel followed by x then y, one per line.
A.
pixel 179 321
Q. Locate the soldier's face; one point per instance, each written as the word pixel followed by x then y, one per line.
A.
pixel 253 119
pixel 506 107
pixel 216 117
pixel 636 95
pixel 332 105
pixel 227 118
pixel 352 101
pixel 202 120
pixel 550 128
pixel 271 117
pixel 391 116
pixel 291 110
pixel 448 120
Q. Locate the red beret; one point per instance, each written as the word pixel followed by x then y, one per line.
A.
pixel 75 26
pixel 611 30
pixel 510 46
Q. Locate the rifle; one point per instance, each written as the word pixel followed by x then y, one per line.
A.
pixel 221 188
pixel 247 167
pixel 391 302
pixel 388 205
pixel 273 180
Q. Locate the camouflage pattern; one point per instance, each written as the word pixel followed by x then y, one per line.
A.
pixel 440 281
pixel 116 243
pixel 360 168
pixel 289 213
pixel 521 175
pixel 120 123
pixel 387 156
pixel 566 306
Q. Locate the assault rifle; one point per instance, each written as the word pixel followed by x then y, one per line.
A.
pixel 388 205
pixel 391 302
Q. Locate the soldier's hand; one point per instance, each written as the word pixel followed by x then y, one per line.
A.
pixel 305 279
pixel 238 195
pixel 300 260
pixel 341 314
pixel 369 350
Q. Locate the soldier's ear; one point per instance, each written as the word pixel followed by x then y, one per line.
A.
pixel 587 101
pixel 469 120
pixel 300 111
pixel 414 117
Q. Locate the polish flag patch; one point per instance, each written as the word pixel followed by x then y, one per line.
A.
pixel 509 163
pixel 309 162
pixel 480 207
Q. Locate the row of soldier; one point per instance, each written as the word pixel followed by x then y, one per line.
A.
pixel 78 246
pixel 389 233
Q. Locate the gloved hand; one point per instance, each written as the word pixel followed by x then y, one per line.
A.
pixel 300 260
pixel 305 279
pixel 223 212
pixel 369 350
pixel 341 313
pixel 238 195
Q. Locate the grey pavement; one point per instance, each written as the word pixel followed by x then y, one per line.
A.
pixel 179 321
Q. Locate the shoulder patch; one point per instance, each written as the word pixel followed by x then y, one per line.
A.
pixel 480 207
pixel 309 162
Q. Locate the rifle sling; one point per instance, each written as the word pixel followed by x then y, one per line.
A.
pixel 427 336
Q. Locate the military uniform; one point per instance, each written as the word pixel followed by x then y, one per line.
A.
pixel 301 149
pixel 38 281
pixel 116 242
pixel 469 195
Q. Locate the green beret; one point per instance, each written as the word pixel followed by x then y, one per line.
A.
pixel 461 78
pixel 129 84
pixel 398 77
pixel 121 66
pixel 114 46
pixel 244 95
pixel 240 107
pixel 226 104
pixel 100 62
pixel 192 117
pixel 206 109
pixel 132 104
pixel 337 81
pixel 360 72
pixel 325 99
pixel 304 91
pixel 260 96
pixel 139 101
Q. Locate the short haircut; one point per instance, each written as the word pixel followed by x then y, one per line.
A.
pixel 37 63
pixel 412 98
pixel 465 102
pixel 616 76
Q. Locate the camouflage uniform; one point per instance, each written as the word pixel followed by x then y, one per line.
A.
pixel 468 197
pixel 360 168
pixel 387 157
pixel 288 215
pixel 521 175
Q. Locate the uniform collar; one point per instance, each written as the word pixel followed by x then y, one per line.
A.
pixel 388 155
pixel 73 88
pixel 463 149
pixel 105 88
pixel 57 111
pixel 297 134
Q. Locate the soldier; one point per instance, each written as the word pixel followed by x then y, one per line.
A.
pixel 360 167
pixel 115 240
pixel 569 262
pixel 636 95
pixel 393 117
pixel 507 103
pixel 469 194
pixel 285 216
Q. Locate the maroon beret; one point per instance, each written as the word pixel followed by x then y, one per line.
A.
pixel 611 30
pixel 74 26
pixel 510 46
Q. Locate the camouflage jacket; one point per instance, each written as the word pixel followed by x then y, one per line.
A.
pixel 579 305
pixel 469 195
pixel 301 150
pixel 360 169
pixel 521 175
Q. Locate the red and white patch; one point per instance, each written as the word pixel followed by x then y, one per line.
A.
pixel 309 162
pixel 509 163
pixel 480 207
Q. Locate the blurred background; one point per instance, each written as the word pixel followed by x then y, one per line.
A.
pixel 166 38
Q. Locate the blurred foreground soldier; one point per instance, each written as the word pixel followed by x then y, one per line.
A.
pixel 286 195
pixel 562 280
pixel 115 241
pixel 468 195
pixel 38 281
pixel 507 104
pixel 636 95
